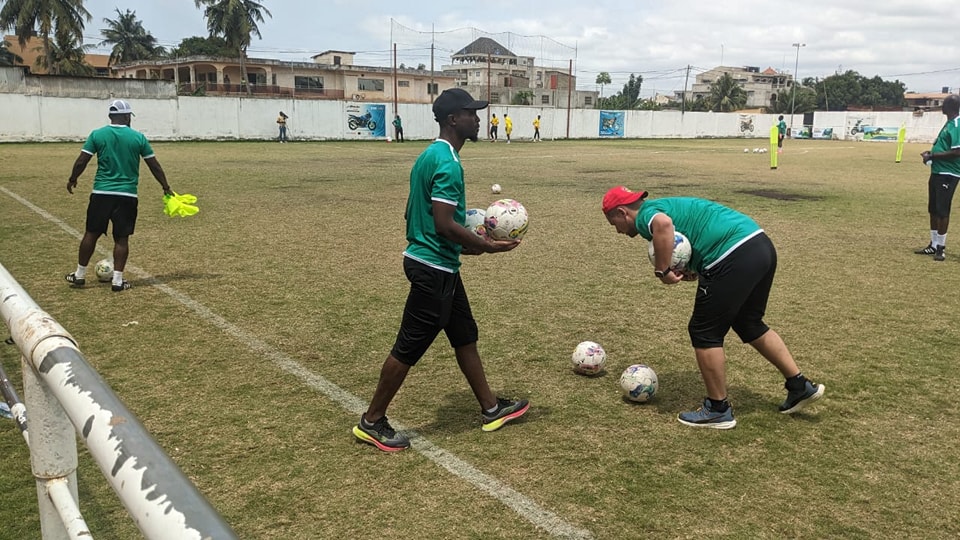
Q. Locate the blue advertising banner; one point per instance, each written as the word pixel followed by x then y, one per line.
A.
pixel 611 123
pixel 366 120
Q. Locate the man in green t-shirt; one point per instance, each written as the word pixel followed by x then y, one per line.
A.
pixel 398 128
pixel 781 133
pixel 734 262
pixel 436 237
pixel 118 148
pixel 944 161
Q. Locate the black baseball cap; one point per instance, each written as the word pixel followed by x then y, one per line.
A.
pixel 452 100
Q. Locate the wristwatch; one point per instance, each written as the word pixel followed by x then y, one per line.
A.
pixel 660 273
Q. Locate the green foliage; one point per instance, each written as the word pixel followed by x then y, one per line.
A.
pixel 522 97
pixel 66 56
pixel 202 46
pixel 627 98
pixel 7 57
pixel 783 102
pixel 852 89
pixel 129 39
pixel 726 94
pixel 60 20
pixel 236 21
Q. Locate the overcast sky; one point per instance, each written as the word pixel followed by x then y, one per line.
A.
pixel 915 42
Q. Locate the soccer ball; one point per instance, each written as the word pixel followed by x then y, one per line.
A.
pixel 639 383
pixel 506 219
pixel 104 270
pixel 474 222
pixel 495 189
pixel 746 150
pixel 682 251
pixel 756 150
pixel 588 358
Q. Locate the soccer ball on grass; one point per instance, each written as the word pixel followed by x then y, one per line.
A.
pixel 506 219
pixel 588 358
pixel 104 270
pixel 639 383
pixel 495 189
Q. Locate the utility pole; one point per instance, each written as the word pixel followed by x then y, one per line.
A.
pixel 430 91
pixel 683 99
pixel 569 94
pixel 795 80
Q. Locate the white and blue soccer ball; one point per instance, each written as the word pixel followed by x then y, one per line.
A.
pixel 639 383
pixel 588 358
pixel 506 219
pixel 104 270
pixel 682 251
pixel 474 221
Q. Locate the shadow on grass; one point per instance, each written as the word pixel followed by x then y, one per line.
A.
pixel 459 412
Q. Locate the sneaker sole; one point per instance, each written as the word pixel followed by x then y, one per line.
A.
pixel 730 424
pixel 499 422
pixel 804 402
pixel 364 437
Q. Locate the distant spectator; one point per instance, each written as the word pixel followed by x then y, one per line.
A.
pixel 494 124
pixel 536 129
pixel 398 127
pixel 282 122
pixel 507 126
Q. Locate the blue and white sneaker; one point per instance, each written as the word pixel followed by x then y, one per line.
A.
pixel 800 399
pixel 708 418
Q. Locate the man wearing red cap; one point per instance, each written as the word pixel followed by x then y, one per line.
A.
pixel 436 237
pixel 735 262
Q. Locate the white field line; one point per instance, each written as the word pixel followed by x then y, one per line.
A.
pixel 516 501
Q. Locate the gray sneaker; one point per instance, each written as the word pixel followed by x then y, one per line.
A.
pixel 708 418
pixel 380 434
pixel 801 398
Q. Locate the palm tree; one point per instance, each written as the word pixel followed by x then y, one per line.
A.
pixel 727 95
pixel 603 78
pixel 235 21
pixel 129 39
pixel 43 18
pixel 8 58
pixel 66 56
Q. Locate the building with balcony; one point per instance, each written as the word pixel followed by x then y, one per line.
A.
pixel 491 72
pixel 762 87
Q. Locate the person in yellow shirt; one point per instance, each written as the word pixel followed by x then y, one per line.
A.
pixel 282 123
pixel 536 129
pixel 507 126
pixel 494 124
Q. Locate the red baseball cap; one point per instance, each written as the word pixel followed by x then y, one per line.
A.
pixel 620 196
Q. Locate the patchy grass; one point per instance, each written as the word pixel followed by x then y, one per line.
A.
pixel 299 246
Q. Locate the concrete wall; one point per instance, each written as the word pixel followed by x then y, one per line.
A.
pixel 41 117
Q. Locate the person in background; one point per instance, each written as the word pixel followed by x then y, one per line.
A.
pixel 507 126
pixel 944 161
pixel 735 262
pixel 536 129
pixel 282 122
pixel 436 237
pixel 118 148
pixel 398 128
pixel 781 133
pixel 494 125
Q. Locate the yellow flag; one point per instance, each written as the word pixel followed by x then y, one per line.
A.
pixel 774 138
pixel 901 136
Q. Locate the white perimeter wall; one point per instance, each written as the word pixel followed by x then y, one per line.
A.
pixel 46 118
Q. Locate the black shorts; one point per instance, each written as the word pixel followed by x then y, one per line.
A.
pixel 780 139
pixel 493 130
pixel 116 209
pixel 940 190
pixel 733 294
pixel 437 301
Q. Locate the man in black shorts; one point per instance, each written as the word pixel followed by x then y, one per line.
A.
pixel 118 148
pixel 944 161
pixel 436 237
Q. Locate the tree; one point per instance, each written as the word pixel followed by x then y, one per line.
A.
pixel 129 39
pixel 627 98
pixel 786 103
pixel 236 21
pixel 726 94
pixel 63 19
pixel 852 89
pixel 522 97
pixel 603 78
pixel 66 56
pixel 8 58
pixel 202 46
pixel 421 67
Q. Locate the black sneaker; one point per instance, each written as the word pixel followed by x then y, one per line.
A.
pixel 74 280
pixel 938 255
pixel 801 398
pixel 124 285
pixel 381 435
pixel 929 250
pixel 506 411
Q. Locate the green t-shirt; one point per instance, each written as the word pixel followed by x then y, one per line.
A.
pixel 436 176
pixel 118 149
pixel 782 127
pixel 714 230
pixel 948 139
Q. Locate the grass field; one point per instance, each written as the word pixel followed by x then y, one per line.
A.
pixel 297 250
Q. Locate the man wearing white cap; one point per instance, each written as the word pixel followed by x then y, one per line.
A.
pixel 113 198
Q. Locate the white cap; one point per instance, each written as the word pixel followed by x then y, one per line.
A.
pixel 119 106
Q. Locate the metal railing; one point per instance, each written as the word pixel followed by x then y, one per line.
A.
pixel 66 397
